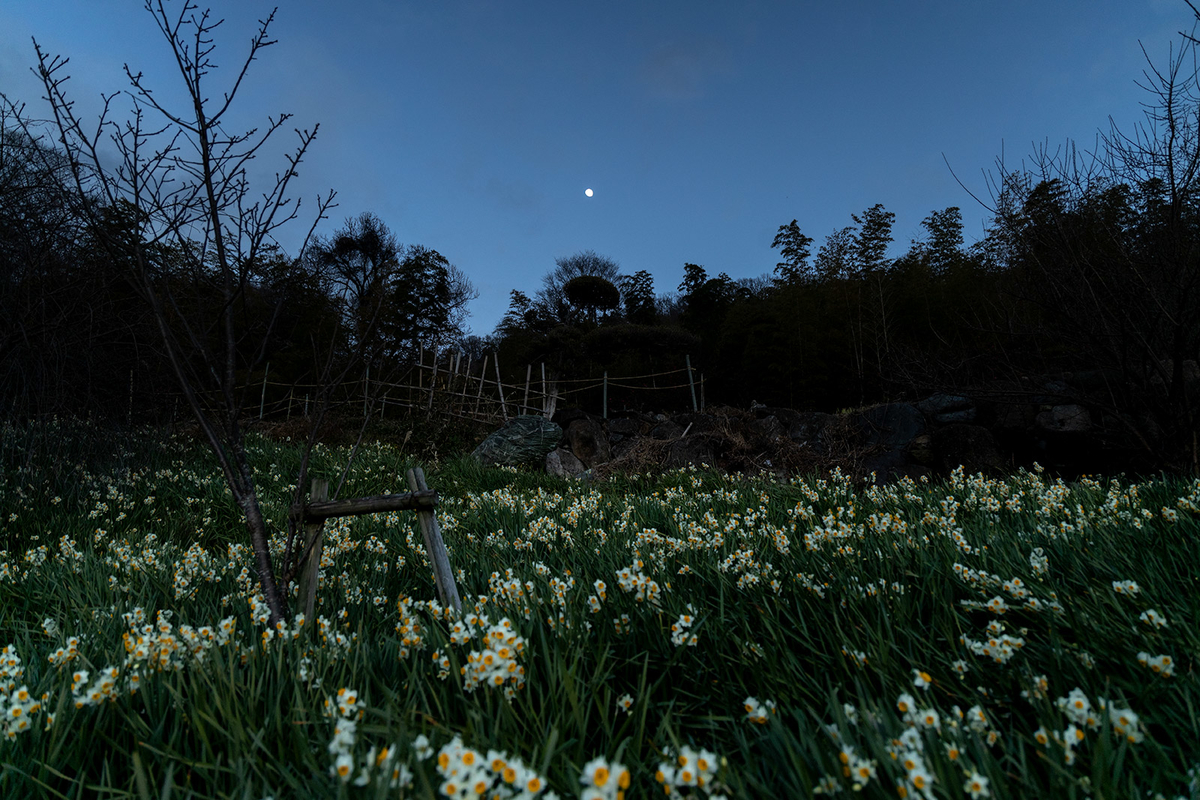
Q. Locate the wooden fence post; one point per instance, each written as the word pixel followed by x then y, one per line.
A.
pixel 691 382
pixel 442 576
pixel 479 394
pixel 499 385
pixel 605 407
pixel 525 402
pixel 314 535
pixel 433 380
pixel 462 406
pixel 451 376
pixel 262 400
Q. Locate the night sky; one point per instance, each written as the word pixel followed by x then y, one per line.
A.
pixel 475 127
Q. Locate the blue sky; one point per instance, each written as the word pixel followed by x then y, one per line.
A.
pixel 474 127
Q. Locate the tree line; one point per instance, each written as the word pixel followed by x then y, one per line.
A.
pixel 77 338
pixel 1088 270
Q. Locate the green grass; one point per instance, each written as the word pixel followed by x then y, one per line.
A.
pixel 784 583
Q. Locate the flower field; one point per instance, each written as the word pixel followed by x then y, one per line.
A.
pixel 681 635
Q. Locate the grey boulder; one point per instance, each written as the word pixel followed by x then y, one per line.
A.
pixel 525 440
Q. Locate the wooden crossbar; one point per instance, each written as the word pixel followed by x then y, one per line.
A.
pixel 408 501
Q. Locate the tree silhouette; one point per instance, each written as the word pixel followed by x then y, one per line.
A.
pixel 794 247
pixel 942 249
pixel 551 298
pixel 358 262
pixel 592 294
pixel 637 291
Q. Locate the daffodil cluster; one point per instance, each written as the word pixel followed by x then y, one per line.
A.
pixel 497 664
pixel 758 712
pixel 282 632
pixel 595 600
pixel 632 579
pixel 102 687
pixel 1081 717
pixel 910 748
pixel 18 709
pixel 1039 563
pixel 688 768
pixel 680 635
pixel 468 773
pixel 1153 619
pixel 162 647
pixel 1162 665
pixel 334 640
pixel 11 669
pixel 17 705
pixel 381 765
pixel 859 770
pixel 999 648
pixel 857 657
pixel 604 780
pixel 69 652
pixel 149 647
pixel 409 627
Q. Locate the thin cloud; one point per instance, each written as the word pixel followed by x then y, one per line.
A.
pixel 683 71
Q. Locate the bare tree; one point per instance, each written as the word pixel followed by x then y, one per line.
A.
pixel 179 198
pixel 1108 243
pixel 552 298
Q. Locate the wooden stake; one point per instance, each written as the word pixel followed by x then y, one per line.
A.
pixel 314 535
pixel 262 401
pixel 691 382
pixel 499 385
pixel 479 395
pixel 462 406
pixel 443 578
pixel 525 402
pixel 433 380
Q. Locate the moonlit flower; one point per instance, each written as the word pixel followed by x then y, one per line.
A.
pixel 976 786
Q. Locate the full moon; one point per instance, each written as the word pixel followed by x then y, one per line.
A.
pixel 588 192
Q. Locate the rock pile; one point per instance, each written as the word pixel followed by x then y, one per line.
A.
pixel 991 432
